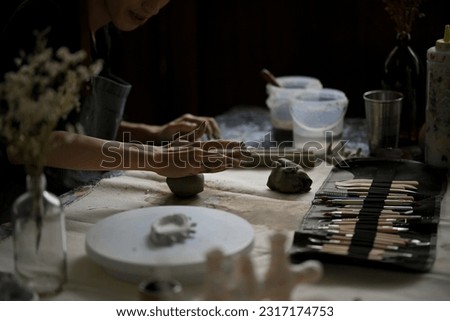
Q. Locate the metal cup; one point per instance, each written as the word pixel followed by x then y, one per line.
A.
pixel 383 109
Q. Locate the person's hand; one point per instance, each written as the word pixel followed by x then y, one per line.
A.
pixel 188 161
pixel 186 156
pixel 226 147
pixel 188 123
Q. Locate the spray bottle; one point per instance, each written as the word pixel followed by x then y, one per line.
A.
pixel 437 135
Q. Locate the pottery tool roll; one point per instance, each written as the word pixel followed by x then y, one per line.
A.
pixel 374 212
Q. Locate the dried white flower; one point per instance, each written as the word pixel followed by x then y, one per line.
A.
pixel 45 89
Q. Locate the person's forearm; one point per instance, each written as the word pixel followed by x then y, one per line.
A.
pixel 135 132
pixel 75 151
pixel 80 152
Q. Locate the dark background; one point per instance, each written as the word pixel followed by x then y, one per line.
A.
pixel 205 56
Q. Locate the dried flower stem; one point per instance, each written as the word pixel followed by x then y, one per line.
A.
pixel 403 13
pixel 44 90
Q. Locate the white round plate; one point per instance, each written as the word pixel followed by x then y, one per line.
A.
pixel 121 243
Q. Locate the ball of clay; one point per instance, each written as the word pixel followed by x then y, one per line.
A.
pixel 186 186
pixel 288 177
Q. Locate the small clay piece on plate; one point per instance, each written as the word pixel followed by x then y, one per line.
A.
pixel 186 186
pixel 171 229
pixel 288 177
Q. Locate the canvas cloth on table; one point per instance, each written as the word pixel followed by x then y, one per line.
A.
pixel 244 193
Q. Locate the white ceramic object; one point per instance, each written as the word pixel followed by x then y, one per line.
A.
pixel 121 243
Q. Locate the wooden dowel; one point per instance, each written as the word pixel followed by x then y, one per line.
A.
pixel 362 201
pixel 364 180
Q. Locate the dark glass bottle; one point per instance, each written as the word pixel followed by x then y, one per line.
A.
pixel 402 72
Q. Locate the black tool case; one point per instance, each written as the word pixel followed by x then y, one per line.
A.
pixel 367 244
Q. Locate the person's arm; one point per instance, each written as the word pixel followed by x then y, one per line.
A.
pixel 71 151
pixel 79 152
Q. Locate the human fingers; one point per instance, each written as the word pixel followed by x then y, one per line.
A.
pixel 204 165
pixel 175 130
pixel 228 148
pixel 193 135
pixel 225 147
pixel 221 144
pixel 186 161
pixel 230 158
pixel 180 143
pixel 212 127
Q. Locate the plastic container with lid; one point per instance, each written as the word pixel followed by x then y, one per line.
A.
pixel 317 115
pixel 278 98
pixel 437 135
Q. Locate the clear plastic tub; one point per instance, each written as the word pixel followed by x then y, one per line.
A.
pixel 278 98
pixel 318 117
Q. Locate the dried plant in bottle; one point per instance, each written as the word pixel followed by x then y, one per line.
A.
pixel 403 13
pixel 42 91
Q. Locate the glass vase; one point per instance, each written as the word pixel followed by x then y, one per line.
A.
pixel 402 72
pixel 39 238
